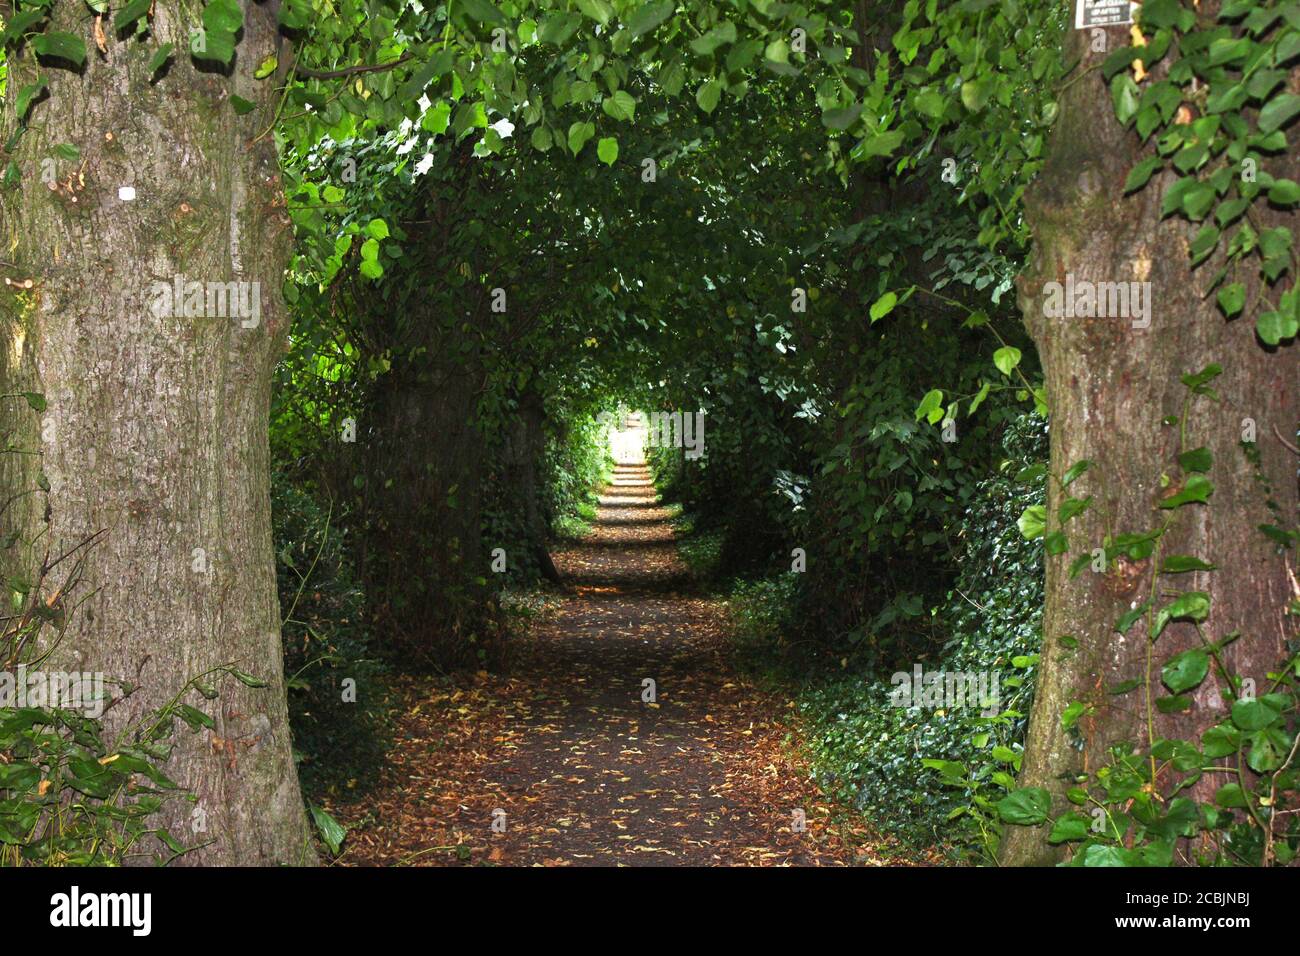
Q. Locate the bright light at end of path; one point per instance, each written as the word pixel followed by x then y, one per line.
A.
pixel 627 440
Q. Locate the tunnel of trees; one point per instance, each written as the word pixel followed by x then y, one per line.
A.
pixel 961 335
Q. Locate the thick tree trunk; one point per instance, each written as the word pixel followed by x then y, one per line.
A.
pixel 424 505
pixel 1109 385
pixel 155 431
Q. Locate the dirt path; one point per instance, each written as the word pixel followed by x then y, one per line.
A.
pixel 573 761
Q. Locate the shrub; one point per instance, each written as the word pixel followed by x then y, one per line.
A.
pixel 337 695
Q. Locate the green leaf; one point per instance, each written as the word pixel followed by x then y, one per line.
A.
pixel 241 105
pixel 1124 95
pixel 1273 327
pixel 331 831
pixel 1277 111
pixel 1074 471
pixel 68 152
pixel 266 67
pixel 1197 489
pixel 1131 616
pixel 722 33
pixel 160 57
pixel 879 144
pixel 35 401
pixel 708 95
pixel 247 679
pixel 1198 459
pixel 194 717
pixel 1102 855
pixel 1027 806
pixel 646 18
pixel 1252 715
pixel 1186 670
pixel 557 28
pixel 377 229
pixel 598 10
pixel 607 150
pixel 27 95
pixel 1232 299
pixel 1071 826
pixel 64 46
pixel 579 134
pixel 1230 795
pixel 481 11
pixel 1140 174
pixel 1032 521
pixel 130 13
pixel 975 94
pixel 931 406
pixel 841 118
pixel 541 139
pixel 1192 606
pixel 1180 563
pixel 883 306
pixel 621 105
pixel 1006 359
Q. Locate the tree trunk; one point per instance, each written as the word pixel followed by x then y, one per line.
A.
pixel 1109 385
pixel 155 430
pixel 424 504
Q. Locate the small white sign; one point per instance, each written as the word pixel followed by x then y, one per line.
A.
pixel 1103 13
pixel 126 193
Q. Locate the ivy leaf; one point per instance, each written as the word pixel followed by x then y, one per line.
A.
pixel 1124 94
pixel 63 46
pixel 1198 459
pixel 27 95
pixel 1074 471
pixel 1140 174
pixel 130 13
pixel 241 105
pixel 1186 670
pixel 1232 299
pixel 1192 606
pixel 1278 111
pixel 1273 327
pixel 1198 489
pixel 1131 616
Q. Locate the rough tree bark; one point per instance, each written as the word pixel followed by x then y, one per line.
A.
pixel 1109 385
pixel 155 431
